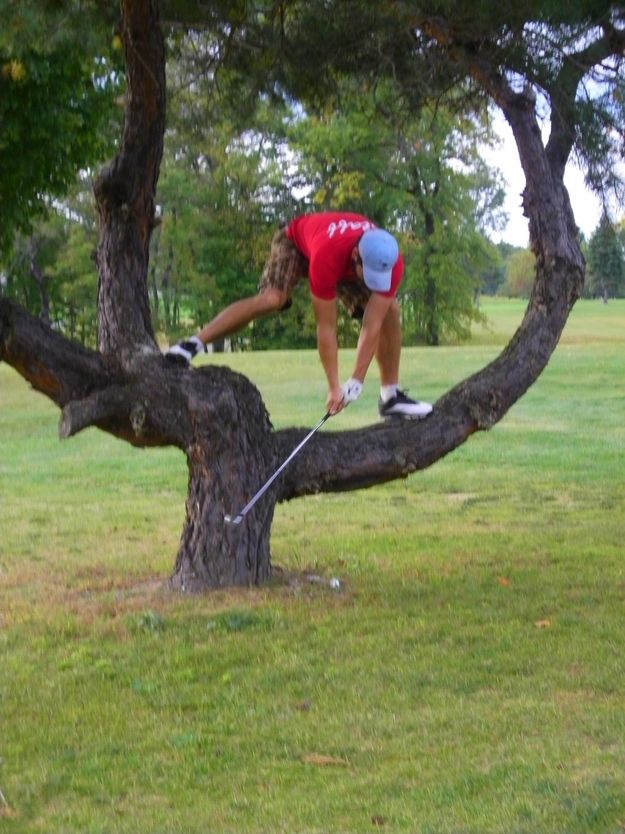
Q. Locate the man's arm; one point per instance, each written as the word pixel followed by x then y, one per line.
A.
pixel 327 345
pixel 375 313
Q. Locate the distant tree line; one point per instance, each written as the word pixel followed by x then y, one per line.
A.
pixel 605 260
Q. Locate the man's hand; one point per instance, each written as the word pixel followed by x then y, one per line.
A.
pixel 340 398
pixel 352 389
pixel 335 401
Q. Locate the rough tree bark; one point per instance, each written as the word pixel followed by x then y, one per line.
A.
pixel 216 417
pixel 125 192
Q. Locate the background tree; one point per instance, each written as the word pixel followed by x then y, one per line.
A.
pixel 51 270
pixel 494 275
pixel 58 86
pixel 514 56
pixel 606 261
pixel 354 151
pixel 620 231
pixel 75 274
pixel 28 273
pixel 520 273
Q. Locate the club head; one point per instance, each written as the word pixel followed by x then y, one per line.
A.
pixel 237 519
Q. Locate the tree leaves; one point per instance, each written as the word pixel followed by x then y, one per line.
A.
pixel 55 110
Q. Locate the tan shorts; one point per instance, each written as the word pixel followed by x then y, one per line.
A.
pixel 286 266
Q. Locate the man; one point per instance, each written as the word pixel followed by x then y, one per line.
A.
pixel 344 255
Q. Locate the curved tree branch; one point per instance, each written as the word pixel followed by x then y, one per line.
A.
pixel 342 461
pixel 55 366
pixel 146 408
pixel 564 88
pixel 114 406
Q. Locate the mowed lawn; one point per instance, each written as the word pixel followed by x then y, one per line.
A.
pixel 467 676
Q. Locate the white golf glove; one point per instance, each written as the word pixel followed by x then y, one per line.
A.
pixel 352 389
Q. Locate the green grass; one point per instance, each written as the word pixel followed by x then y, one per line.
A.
pixel 467 676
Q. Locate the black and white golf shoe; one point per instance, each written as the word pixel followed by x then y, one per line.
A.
pixel 186 349
pixel 402 406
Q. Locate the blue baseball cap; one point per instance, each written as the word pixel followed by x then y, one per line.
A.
pixel 379 252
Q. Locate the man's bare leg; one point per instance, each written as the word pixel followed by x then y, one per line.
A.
pixel 389 346
pixel 393 401
pixel 239 313
pixel 231 319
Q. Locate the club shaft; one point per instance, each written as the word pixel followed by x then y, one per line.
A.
pixel 282 466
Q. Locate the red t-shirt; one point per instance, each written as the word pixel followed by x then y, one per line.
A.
pixel 327 240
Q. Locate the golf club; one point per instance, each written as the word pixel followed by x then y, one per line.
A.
pixel 237 519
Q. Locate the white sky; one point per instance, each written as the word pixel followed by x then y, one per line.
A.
pixel 586 206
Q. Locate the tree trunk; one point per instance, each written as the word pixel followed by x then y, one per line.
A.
pixel 229 459
pixel 214 554
pixel 432 336
pixel 42 281
pixel 125 191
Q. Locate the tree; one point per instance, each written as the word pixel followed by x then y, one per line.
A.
pixel 74 272
pixel 494 275
pixel 51 270
pixel 217 417
pixel 606 262
pixel 56 109
pixel 519 274
pixel 28 272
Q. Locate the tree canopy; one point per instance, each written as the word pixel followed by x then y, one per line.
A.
pixel 58 85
